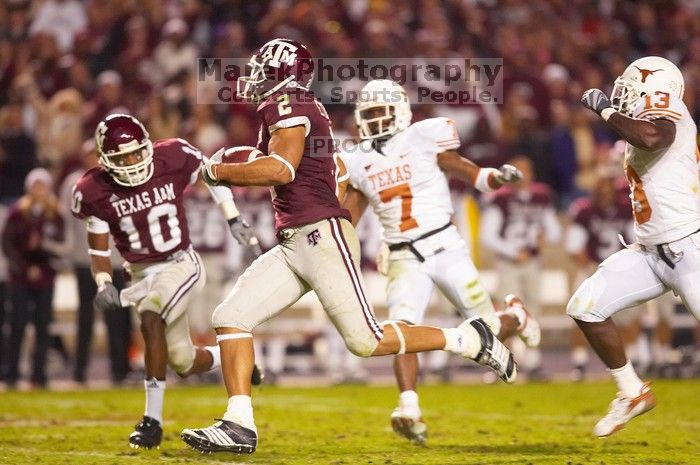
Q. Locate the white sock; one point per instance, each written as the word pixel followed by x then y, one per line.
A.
pixel 155 392
pixel 463 341
pixel 579 356
pixel 240 410
pixel 627 380
pixel 408 403
pixel 215 352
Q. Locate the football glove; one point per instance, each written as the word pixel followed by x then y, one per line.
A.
pixel 107 297
pixel 245 235
pixel 208 167
pixel 508 174
pixel 595 100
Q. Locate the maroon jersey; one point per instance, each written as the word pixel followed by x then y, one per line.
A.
pixel 22 239
pixel 524 213
pixel 602 226
pixel 311 197
pixel 208 227
pixel 148 222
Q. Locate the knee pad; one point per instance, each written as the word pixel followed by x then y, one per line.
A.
pixel 230 317
pixel 153 302
pixel 582 305
pixel 181 357
pixel 361 346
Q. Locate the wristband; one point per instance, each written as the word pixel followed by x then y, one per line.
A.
pixel 607 113
pixel 482 179
pixel 102 277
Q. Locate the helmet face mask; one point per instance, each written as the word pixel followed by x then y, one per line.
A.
pixel 382 110
pixel 125 150
pixel 376 122
pixel 278 64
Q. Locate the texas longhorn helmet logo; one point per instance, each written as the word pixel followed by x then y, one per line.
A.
pixel 647 72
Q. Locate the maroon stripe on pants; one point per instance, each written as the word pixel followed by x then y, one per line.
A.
pixel 354 278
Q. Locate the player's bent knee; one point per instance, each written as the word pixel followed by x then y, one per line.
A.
pixel 181 357
pixel 226 316
pixel 582 306
pixel 361 346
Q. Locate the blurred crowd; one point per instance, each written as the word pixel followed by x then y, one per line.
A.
pixel 66 64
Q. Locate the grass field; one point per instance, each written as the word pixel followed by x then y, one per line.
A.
pixel 524 424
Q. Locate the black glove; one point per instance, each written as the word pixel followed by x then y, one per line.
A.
pixel 509 174
pixel 595 100
pixel 107 297
pixel 245 235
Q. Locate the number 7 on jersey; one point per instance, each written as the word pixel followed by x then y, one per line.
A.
pixel 402 190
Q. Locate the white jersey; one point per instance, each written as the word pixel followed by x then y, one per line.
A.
pixel 404 184
pixel 664 184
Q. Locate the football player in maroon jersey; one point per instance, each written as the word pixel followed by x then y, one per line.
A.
pixel 136 195
pixel 318 248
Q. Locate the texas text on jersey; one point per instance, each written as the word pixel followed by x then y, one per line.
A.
pixel 147 221
pixel 404 183
pixel 311 197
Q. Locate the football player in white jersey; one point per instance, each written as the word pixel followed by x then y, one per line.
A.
pixel 400 170
pixel 661 164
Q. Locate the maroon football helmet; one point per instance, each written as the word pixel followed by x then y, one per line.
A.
pixel 278 63
pixel 124 149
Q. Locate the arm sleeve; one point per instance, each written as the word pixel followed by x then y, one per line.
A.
pixel 660 105
pixel 491 225
pixel 349 161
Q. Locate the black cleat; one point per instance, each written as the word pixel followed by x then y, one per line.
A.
pixel 147 434
pixel 257 377
pixel 493 353
pixel 222 436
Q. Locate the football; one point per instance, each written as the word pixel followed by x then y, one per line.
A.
pixel 241 154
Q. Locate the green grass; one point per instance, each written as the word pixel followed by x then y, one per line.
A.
pixel 524 424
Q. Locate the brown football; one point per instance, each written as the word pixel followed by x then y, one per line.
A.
pixel 241 154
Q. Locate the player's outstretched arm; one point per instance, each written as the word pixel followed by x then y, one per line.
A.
pixel 107 297
pixel 286 149
pixel 484 179
pixel 647 135
pixel 356 203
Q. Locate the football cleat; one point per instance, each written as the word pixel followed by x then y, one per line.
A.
pixel 529 329
pixel 222 436
pixel 493 353
pixel 413 429
pixel 147 434
pixel 257 377
pixel 622 409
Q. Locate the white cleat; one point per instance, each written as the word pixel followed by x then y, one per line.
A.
pixel 622 409
pixel 411 428
pixel 529 329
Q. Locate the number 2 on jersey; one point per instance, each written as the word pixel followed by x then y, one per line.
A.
pixel 404 191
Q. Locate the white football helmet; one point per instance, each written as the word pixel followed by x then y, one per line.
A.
pixel 389 96
pixel 644 77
